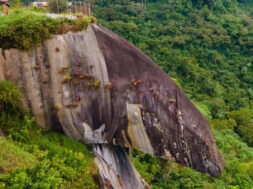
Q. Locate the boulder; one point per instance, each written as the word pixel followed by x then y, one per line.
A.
pixel 100 89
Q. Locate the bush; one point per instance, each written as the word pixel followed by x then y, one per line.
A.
pixel 244 121
pixel 10 95
pixel 242 116
pixel 246 132
pixel 147 165
pixel 23 29
pixel 61 161
pixel 204 110
pixel 19 30
pixel 223 124
pixel 31 158
pixel 12 157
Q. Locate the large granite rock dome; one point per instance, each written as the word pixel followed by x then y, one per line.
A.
pixel 100 89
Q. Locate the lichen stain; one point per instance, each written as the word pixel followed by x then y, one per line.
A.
pixel 168 155
pixel 93 136
pixel 127 144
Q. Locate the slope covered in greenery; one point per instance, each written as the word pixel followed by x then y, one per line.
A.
pixel 24 28
pixel 31 158
pixel 209 50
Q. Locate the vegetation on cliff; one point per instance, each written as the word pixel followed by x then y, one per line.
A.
pixel 22 29
pixel 31 158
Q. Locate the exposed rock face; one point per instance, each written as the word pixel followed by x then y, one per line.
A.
pixel 113 163
pixel 100 89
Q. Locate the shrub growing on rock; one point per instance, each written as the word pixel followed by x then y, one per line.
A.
pixel 24 29
pixel 9 95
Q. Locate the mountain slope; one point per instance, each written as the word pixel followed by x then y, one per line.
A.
pixel 209 50
pixel 207 47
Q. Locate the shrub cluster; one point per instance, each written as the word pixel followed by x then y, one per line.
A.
pixel 9 95
pixel 23 29
pixel 32 158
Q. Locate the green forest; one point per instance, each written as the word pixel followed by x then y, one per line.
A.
pixel 206 46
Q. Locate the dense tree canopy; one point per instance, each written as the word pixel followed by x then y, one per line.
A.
pixel 207 47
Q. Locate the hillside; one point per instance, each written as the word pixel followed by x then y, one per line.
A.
pixel 207 47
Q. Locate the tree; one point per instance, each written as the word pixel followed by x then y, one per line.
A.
pixel 223 124
pixel 242 116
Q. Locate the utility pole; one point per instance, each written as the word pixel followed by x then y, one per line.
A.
pixel 87 9
pixel 75 7
pixel 57 5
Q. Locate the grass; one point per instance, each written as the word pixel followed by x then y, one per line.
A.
pixel 13 157
pixel 32 158
pixel 23 29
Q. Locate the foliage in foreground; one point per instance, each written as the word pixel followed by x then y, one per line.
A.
pixel 12 157
pixel 9 96
pixel 23 29
pixel 31 158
